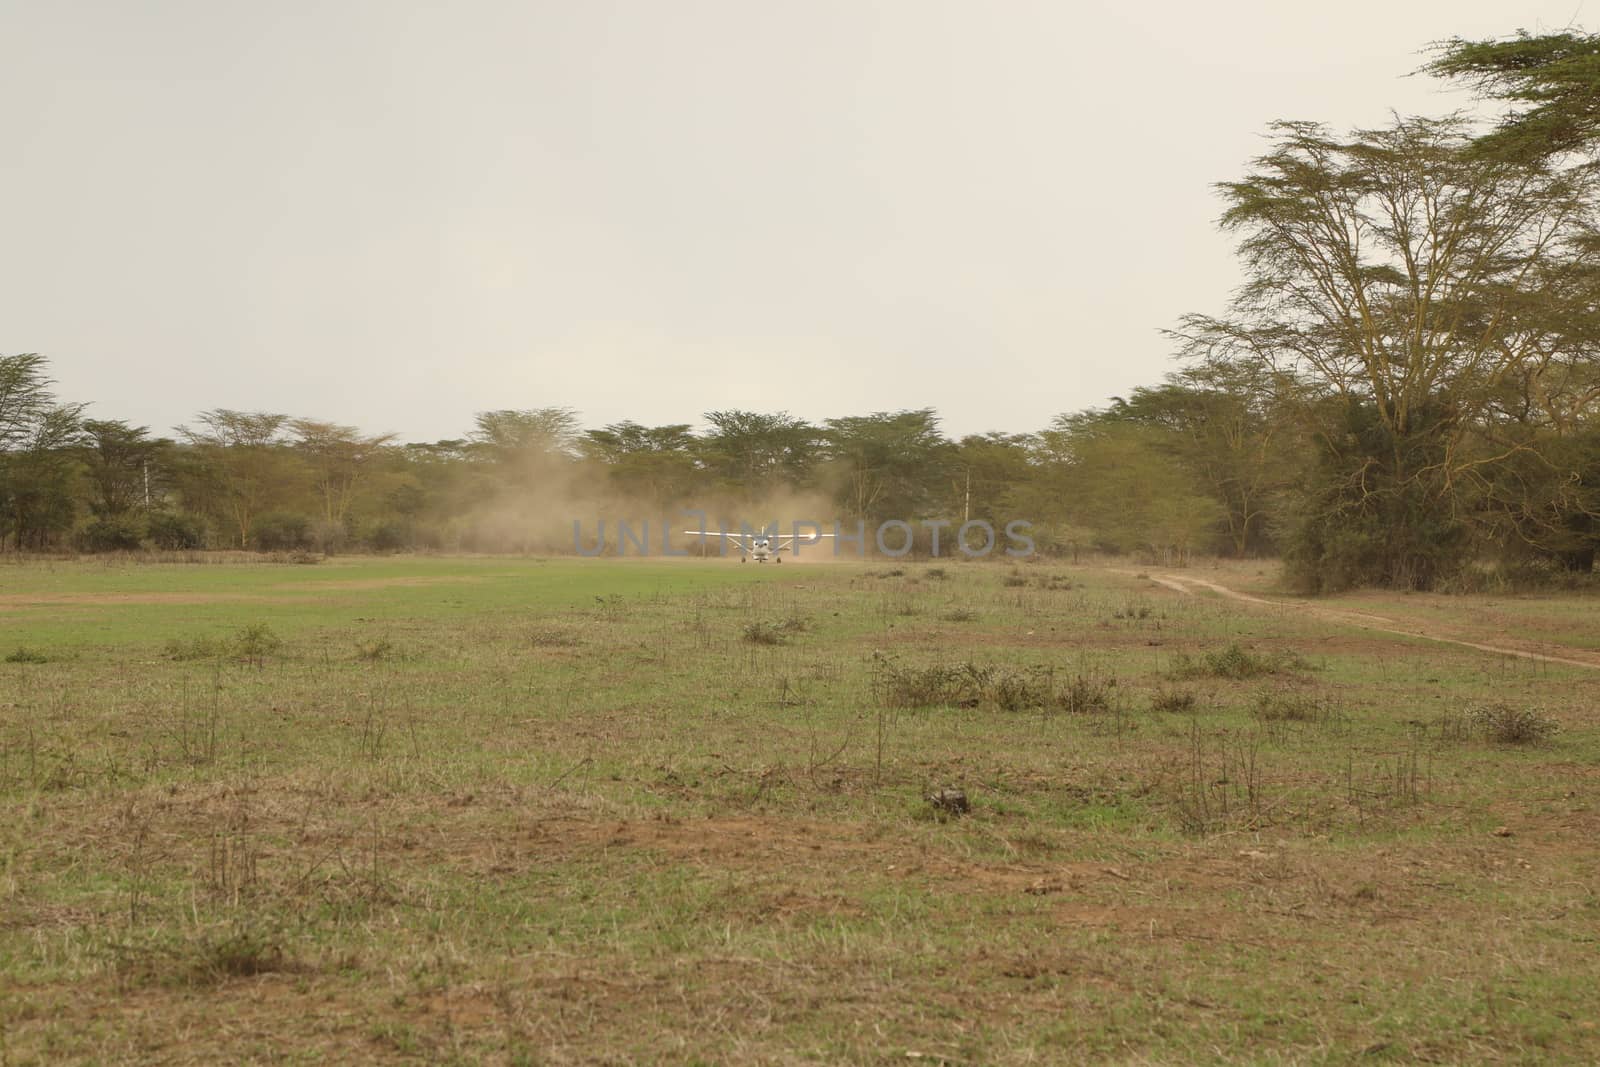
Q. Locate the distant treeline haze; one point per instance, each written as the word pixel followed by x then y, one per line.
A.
pixel 1149 475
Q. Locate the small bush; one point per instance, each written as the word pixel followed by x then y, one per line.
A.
pixel 1008 690
pixel 959 615
pixel 762 632
pixel 1505 725
pixel 240 954
pixel 389 537
pixel 916 687
pixel 280 532
pixel 902 605
pixel 24 654
pixel 253 643
pixel 329 538
pixel 173 532
pixel 373 651
pixel 1086 693
pixel 256 642
pixel 1014 581
pixel 970 685
pixel 1173 700
pixel 1232 662
pixel 123 533
pixel 937 573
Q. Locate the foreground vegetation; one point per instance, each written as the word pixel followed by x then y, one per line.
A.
pixel 524 811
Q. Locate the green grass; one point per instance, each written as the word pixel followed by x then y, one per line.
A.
pixel 69 605
pixel 501 810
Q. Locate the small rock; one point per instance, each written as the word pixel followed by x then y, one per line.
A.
pixel 953 801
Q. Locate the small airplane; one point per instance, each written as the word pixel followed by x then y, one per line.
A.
pixel 761 545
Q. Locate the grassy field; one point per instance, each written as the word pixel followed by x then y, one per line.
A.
pixel 570 811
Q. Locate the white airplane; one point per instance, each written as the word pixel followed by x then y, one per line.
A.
pixel 761 545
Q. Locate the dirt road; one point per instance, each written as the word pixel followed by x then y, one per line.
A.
pixel 1187 585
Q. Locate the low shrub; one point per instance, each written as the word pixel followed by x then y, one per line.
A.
pixel 1283 706
pixel 972 685
pixel 174 532
pixel 374 651
pixel 256 642
pixel 1173 700
pixel 766 632
pixel 253 643
pixel 1235 663
pixel 280 531
pixel 1506 725
pixel 122 533
pixel 389 537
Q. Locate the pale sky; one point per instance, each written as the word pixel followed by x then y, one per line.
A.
pixel 395 214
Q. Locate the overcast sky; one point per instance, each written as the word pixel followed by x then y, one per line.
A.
pixel 395 214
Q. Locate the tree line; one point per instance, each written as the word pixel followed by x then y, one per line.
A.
pixel 1182 468
pixel 1404 387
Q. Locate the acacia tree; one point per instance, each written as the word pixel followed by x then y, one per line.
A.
pixel 753 453
pixel 1115 483
pixel 239 466
pixel 524 447
pixel 1548 496
pixel 983 471
pixel 340 458
pixel 40 490
pixel 1224 425
pixel 510 434
pixel 124 466
pixel 1551 83
pixel 888 465
pixel 24 395
pixel 37 469
pixel 653 465
pixel 1404 281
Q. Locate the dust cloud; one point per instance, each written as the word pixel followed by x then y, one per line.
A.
pixel 539 517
